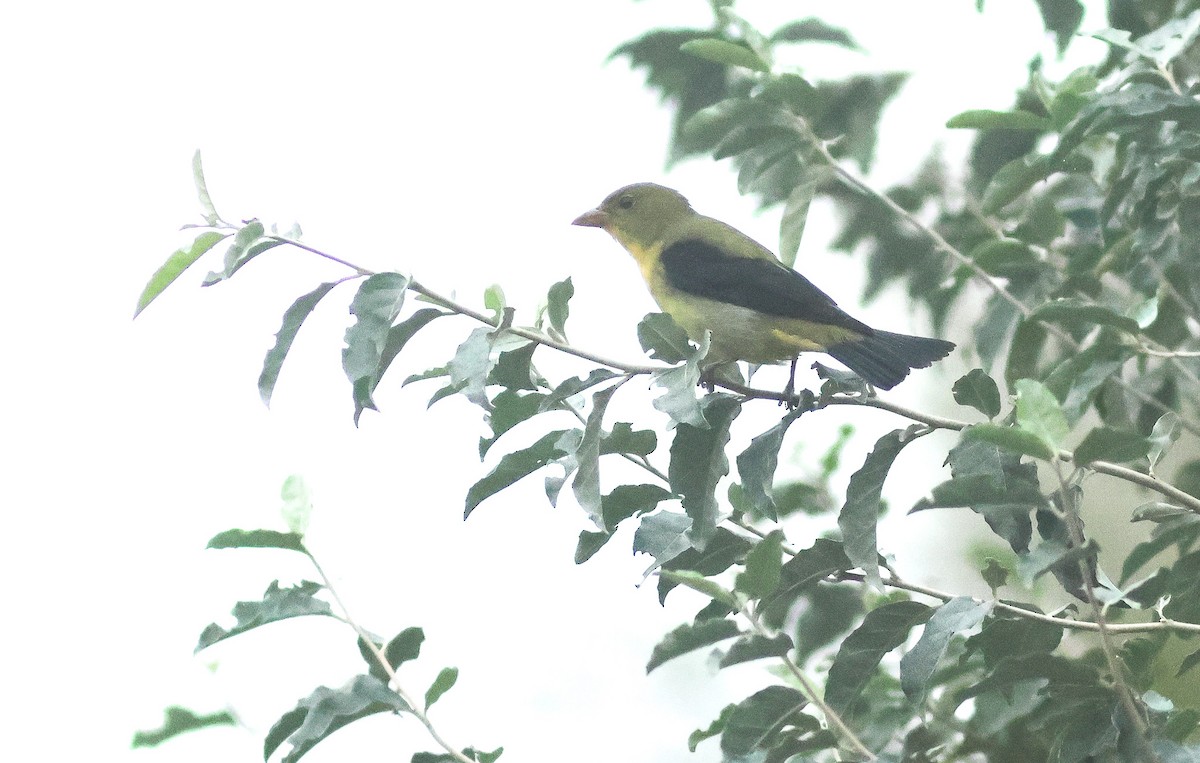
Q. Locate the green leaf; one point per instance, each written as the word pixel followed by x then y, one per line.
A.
pixel 470 752
pixel 247 244
pixel 828 612
pixel 992 482
pixel 755 647
pixel 698 463
pixel 916 668
pixel 663 535
pixel 558 307
pixel 795 209
pixel 690 637
pixel 1059 671
pixel 1039 414
pixel 664 339
pixel 626 501
pixel 514 466
pixel 698 582
pixel 443 683
pixel 1004 258
pixel 858 517
pixel 471 365
pixel 440 372
pixel 801 574
pixel 714 729
pixel 586 485
pixel 1049 556
pixel 1184 594
pixel 1026 350
pixel 397 338
pixel 174 267
pixel 814 30
pixel 764 566
pixel 994 574
pixel 978 391
pixel 574 386
pixel 881 631
pixel 679 399
pixel 624 439
pixel 1109 444
pixel 1010 438
pixel 1165 433
pixel 589 543
pixel 758 720
pixel 1013 637
pixel 258 539
pixel 757 463
pixel 1078 379
pixel 297 504
pixel 1012 180
pixel 1062 18
pixel 375 306
pixel 986 119
pixel 1181 532
pixel 509 408
pixel 293 319
pixel 210 212
pixel 276 604
pixel 404 647
pixel 325 711
pixel 180 720
pixel 1077 311
pixel 493 299
pixel 722 552
pixel 513 368
pixel 1157 511
pixel 726 53
pixel 1166 42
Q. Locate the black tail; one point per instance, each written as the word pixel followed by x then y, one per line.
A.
pixel 884 359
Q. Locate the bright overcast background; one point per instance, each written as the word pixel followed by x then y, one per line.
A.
pixel 453 141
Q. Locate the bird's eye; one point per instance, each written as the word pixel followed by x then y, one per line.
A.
pixel 625 202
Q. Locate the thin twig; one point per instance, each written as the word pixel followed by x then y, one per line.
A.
pixel 851 181
pixel 382 659
pixel 1062 622
pixel 894 581
pixel 1129 704
pixel 814 696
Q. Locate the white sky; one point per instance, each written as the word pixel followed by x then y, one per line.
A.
pixel 453 141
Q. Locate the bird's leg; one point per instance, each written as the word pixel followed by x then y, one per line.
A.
pixel 789 391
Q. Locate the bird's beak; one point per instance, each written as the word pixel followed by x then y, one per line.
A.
pixel 594 218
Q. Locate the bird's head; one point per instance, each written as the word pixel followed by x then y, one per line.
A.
pixel 638 214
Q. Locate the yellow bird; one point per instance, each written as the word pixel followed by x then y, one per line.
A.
pixel 711 277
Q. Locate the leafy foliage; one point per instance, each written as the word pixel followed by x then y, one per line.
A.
pixel 1063 256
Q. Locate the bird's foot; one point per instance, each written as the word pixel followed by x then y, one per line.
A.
pixel 789 399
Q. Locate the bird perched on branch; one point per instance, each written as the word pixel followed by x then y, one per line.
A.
pixel 709 276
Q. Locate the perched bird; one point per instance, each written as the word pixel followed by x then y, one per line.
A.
pixel 710 276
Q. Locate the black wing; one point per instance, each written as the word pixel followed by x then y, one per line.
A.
pixel 700 268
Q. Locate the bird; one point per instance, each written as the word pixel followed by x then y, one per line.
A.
pixel 709 276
